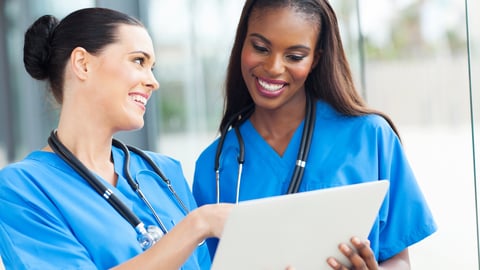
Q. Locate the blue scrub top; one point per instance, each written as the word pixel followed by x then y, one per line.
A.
pixel 50 218
pixel 345 150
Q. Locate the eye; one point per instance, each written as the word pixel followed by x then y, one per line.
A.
pixel 259 48
pixel 139 60
pixel 295 57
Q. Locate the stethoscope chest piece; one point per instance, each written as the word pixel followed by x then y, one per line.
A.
pixel 149 236
pixel 146 236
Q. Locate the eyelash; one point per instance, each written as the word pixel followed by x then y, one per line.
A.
pixel 139 60
pixel 293 57
pixel 296 58
pixel 259 48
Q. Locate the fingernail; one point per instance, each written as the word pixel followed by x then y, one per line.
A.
pixel 356 240
pixel 345 248
pixel 332 262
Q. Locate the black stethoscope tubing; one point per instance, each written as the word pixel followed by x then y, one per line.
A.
pixel 234 122
pixel 133 183
pixel 304 148
pixel 108 194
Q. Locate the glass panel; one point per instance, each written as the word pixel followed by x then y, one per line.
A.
pixel 416 70
pixel 474 56
pixel 192 41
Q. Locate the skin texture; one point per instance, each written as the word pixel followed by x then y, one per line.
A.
pixel 102 96
pixel 279 50
pixel 278 54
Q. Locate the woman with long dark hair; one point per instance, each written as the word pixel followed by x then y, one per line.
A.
pixel 293 121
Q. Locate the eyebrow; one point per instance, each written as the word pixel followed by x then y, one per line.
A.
pixel 294 47
pixel 147 55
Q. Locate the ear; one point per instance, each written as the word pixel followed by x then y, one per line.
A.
pixel 79 62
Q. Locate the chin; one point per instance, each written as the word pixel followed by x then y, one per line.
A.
pixel 138 127
pixel 135 126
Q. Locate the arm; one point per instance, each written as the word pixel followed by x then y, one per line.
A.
pixel 175 247
pixel 399 261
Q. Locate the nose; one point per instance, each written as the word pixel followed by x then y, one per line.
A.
pixel 274 64
pixel 152 82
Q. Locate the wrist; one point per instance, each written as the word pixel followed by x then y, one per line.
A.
pixel 199 223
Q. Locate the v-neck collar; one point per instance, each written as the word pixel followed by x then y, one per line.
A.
pixel 257 141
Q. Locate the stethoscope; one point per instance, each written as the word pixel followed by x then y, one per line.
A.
pixel 236 120
pixel 145 236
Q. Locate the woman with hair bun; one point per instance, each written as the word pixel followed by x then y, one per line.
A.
pixel 81 202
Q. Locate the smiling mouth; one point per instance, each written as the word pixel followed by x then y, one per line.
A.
pixel 139 99
pixel 271 87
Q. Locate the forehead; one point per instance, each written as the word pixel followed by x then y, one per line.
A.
pixel 283 22
pixel 133 38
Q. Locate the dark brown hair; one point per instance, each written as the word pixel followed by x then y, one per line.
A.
pixel 330 80
pixel 49 42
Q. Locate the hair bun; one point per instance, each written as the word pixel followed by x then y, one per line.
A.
pixel 37 46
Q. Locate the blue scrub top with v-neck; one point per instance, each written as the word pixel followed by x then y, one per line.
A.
pixel 345 150
pixel 50 218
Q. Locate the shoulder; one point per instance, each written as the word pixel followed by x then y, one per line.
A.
pixel 35 163
pixel 371 123
pixel 375 122
pixel 33 177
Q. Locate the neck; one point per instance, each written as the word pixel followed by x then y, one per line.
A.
pixel 278 126
pixel 91 147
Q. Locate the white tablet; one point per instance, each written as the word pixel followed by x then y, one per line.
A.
pixel 301 230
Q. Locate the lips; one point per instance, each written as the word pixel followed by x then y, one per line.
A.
pixel 139 99
pixel 270 88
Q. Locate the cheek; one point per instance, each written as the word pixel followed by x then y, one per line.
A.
pixel 121 74
pixel 301 72
pixel 248 60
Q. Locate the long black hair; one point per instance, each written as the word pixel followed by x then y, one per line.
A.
pixel 330 80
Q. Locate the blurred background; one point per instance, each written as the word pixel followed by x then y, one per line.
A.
pixel 416 60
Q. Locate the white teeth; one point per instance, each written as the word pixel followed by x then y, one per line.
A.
pixel 270 86
pixel 139 99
